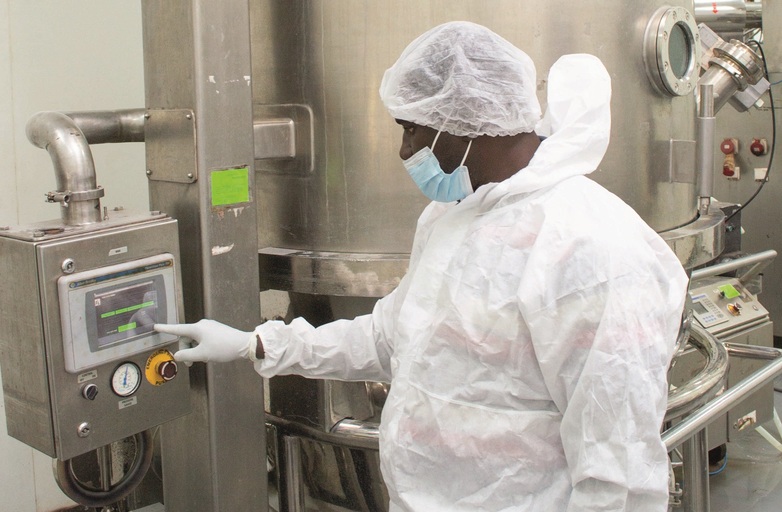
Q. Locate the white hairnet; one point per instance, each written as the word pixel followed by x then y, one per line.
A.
pixel 463 79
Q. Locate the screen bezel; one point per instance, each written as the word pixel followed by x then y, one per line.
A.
pixel 80 342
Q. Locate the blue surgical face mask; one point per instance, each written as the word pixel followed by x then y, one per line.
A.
pixel 426 172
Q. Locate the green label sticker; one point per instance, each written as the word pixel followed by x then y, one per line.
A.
pixel 729 291
pixel 230 186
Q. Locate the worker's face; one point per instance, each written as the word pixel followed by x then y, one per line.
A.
pixel 449 149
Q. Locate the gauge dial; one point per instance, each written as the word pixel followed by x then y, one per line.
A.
pixel 126 379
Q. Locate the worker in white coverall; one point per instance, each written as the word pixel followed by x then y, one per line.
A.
pixel 528 343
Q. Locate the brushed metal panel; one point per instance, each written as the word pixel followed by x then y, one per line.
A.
pixel 201 50
pixel 22 352
pixel 331 55
pixel 170 147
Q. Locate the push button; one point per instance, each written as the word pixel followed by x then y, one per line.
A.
pixel 167 370
pixel 160 367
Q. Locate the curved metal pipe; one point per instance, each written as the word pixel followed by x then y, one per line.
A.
pixel 67 136
pixel 704 386
pixel 111 126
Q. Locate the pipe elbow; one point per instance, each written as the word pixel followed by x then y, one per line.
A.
pixel 68 148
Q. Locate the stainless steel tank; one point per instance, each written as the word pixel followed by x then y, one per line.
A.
pixel 320 63
pixel 336 209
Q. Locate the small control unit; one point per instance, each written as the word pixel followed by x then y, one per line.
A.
pixel 725 305
pixel 82 365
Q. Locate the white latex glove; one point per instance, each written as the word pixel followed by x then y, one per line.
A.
pixel 215 342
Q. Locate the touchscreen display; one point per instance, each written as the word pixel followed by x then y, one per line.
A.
pixel 125 312
pixel 109 313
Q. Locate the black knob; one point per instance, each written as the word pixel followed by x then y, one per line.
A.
pixel 167 370
pixel 89 391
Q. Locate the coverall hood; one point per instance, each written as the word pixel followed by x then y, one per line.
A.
pixel 577 126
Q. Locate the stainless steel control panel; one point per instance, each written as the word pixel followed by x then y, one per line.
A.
pixel 723 305
pixel 81 364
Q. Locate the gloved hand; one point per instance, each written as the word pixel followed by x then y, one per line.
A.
pixel 216 342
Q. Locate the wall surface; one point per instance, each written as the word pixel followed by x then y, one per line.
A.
pixel 64 56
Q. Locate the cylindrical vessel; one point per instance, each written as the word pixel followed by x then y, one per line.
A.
pixel 320 63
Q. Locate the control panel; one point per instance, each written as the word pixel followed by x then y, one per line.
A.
pixel 82 365
pixel 724 304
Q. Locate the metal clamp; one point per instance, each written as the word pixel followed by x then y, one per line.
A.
pixel 67 196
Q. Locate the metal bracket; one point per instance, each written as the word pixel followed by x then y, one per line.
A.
pixel 170 137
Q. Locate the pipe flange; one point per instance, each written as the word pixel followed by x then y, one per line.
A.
pixel 742 56
pixel 737 72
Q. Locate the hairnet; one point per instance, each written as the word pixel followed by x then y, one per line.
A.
pixel 463 79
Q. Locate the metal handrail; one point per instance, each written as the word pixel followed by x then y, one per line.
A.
pixel 759 261
pixel 720 405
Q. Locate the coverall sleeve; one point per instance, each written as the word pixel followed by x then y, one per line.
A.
pixel 358 349
pixel 603 333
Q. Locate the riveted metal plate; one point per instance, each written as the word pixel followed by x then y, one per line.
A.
pixel 171 145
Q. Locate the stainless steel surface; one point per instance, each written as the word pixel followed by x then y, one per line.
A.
pixel 699 242
pixel 110 126
pixel 293 475
pixel 733 67
pixel 111 489
pixel 171 145
pixel 707 383
pixel 695 483
pixel 746 356
pixel 197 57
pixel 275 138
pixel 741 321
pixel 44 404
pixel 54 229
pixel 758 261
pixel 760 230
pixel 704 164
pixel 331 273
pixel 700 418
pixel 730 18
pixel 316 470
pixel 359 429
pixel 66 136
pixel 358 199
pixel 671 51
pixel 340 436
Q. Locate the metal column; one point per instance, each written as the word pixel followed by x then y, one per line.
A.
pixel 199 130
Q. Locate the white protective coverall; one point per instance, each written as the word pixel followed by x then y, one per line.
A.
pixel 527 345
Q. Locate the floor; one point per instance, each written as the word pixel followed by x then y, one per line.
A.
pixel 752 478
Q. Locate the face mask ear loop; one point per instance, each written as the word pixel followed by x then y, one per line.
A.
pixel 466 153
pixel 435 140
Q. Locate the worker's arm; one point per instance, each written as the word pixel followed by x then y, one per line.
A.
pixel 603 339
pixel 356 349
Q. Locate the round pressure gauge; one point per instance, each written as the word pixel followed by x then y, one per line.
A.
pixel 126 379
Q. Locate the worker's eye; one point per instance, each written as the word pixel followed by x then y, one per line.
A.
pixel 409 128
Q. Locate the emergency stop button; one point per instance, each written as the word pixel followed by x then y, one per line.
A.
pixel 167 370
pixel 160 367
